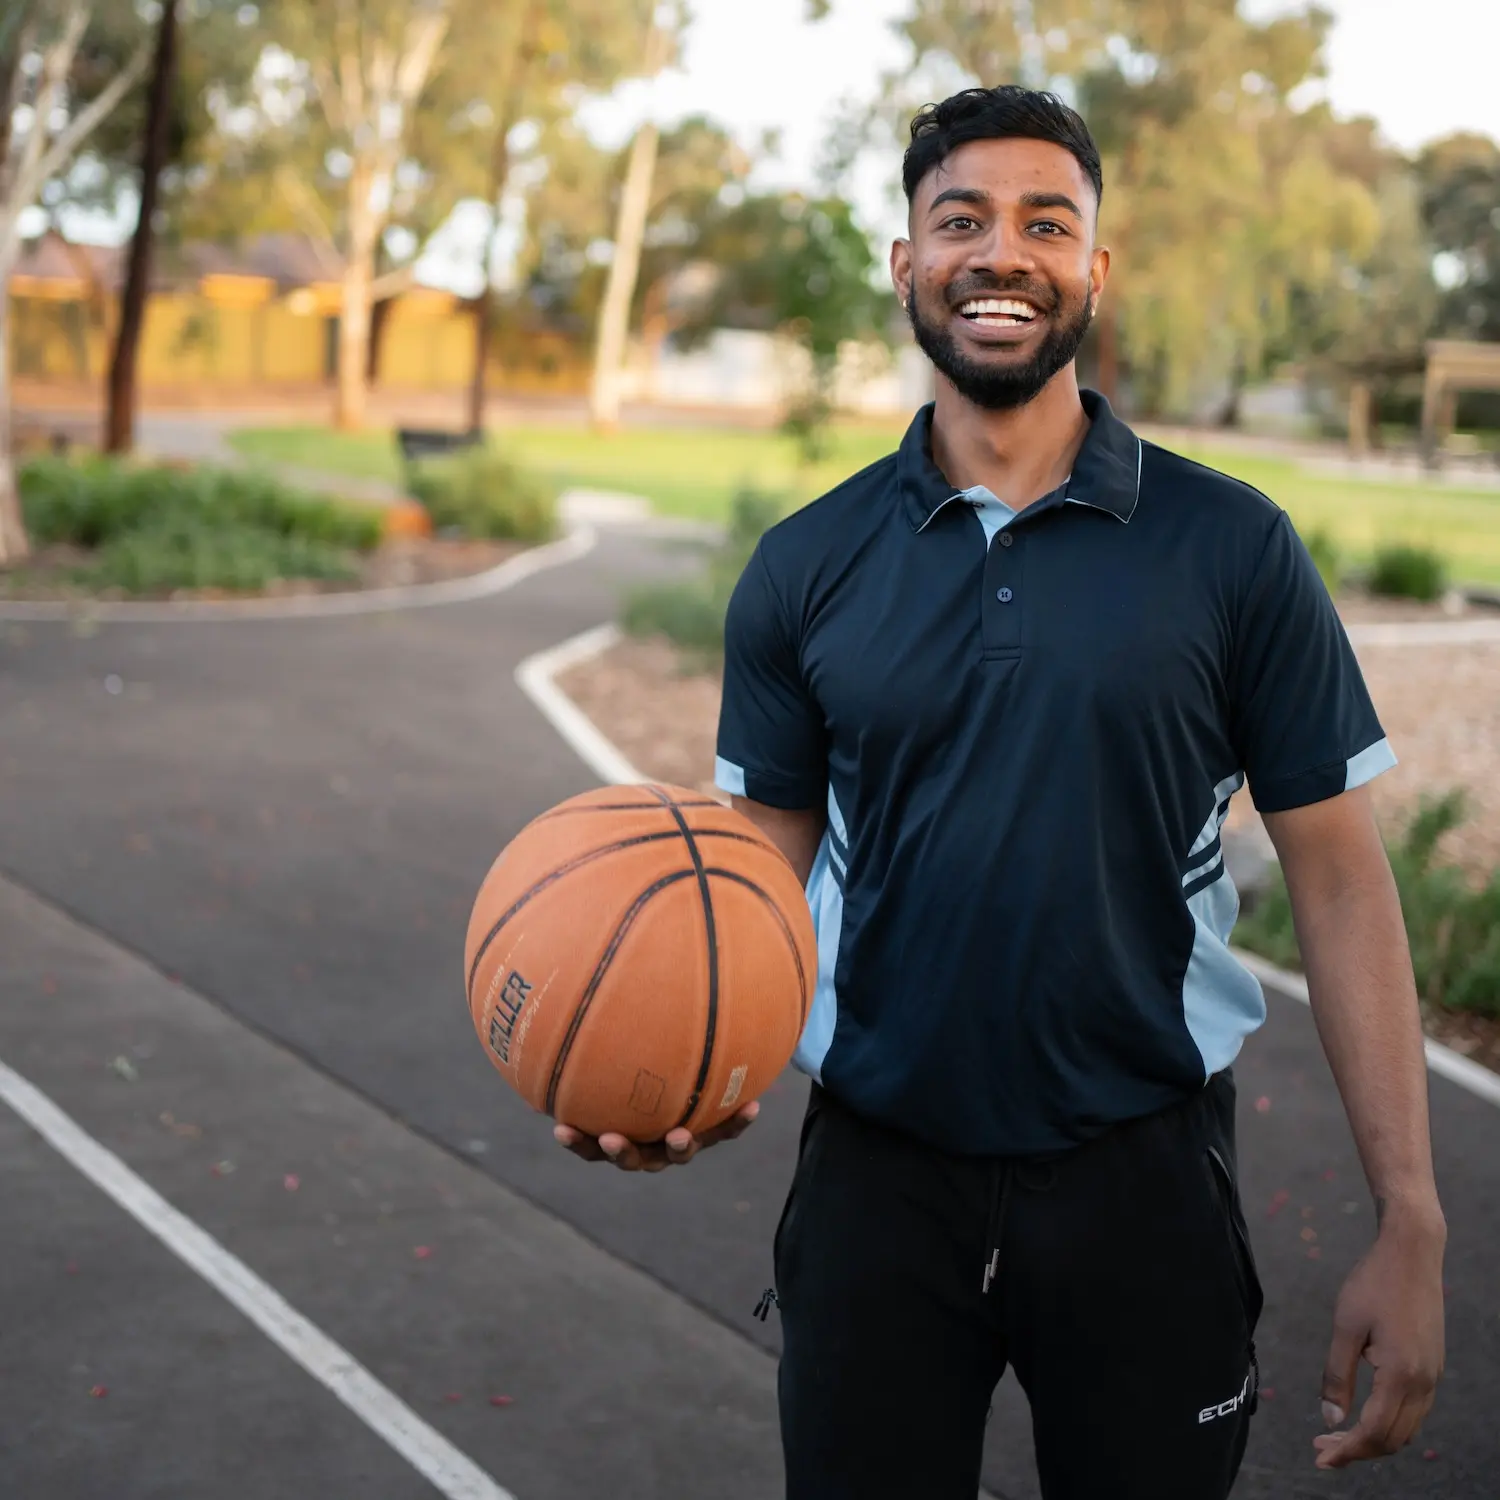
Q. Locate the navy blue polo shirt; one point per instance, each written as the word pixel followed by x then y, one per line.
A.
pixel 1026 729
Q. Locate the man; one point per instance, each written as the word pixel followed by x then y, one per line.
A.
pixel 992 698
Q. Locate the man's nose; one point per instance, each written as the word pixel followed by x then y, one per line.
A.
pixel 1007 250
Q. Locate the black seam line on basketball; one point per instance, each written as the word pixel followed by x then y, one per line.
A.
pixel 791 937
pixel 567 869
pixel 711 933
pixel 564 812
pixel 597 978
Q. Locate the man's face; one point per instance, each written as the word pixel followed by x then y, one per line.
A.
pixel 1001 274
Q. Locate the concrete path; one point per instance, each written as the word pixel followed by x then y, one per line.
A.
pixel 289 820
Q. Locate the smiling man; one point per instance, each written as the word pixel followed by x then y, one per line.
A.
pixel 992 698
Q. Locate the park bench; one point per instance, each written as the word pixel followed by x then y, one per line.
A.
pixel 417 443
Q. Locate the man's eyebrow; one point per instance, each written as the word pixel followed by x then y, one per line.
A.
pixel 1051 200
pixel 977 196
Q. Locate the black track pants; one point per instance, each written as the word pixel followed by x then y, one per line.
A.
pixel 1116 1280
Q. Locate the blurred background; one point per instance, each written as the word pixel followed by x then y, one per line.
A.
pixel 544 310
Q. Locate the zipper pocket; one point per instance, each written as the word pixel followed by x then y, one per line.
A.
pixel 1244 1256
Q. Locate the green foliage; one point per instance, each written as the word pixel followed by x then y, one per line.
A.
pixel 94 502
pixel 481 494
pixel 691 615
pixel 1406 572
pixel 1453 929
pixel 188 552
pixel 805 269
pixel 152 529
pixel 1460 178
pixel 1325 555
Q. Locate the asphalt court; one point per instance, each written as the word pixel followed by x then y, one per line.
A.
pixel 293 818
pixel 552 1367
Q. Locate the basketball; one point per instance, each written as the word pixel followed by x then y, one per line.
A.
pixel 640 958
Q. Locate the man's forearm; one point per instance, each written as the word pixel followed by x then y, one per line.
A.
pixel 1359 979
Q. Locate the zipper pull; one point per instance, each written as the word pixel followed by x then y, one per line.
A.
pixel 768 1300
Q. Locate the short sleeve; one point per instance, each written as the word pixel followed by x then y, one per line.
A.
pixel 1302 721
pixel 771 745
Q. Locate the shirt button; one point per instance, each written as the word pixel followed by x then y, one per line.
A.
pixel 1006 539
pixel 1005 596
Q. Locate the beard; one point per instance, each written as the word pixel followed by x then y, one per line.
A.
pixel 1002 385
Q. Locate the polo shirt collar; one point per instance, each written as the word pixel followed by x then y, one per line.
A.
pixel 1106 474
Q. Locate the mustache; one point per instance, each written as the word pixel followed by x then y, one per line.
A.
pixel 965 288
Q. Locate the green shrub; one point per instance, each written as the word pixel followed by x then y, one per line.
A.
pixel 95 501
pixel 1408 572
pixel 691 615
pixel 481 494
pixel 1453 929
pixel 1326 557
pixel 185 553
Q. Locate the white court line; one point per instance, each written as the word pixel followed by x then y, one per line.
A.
pixel 535 677
pixel 606 761
pixel 385 1414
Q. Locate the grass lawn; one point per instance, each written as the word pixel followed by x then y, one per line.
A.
pixel 693 471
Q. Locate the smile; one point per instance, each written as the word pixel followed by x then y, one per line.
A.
pixel 999 312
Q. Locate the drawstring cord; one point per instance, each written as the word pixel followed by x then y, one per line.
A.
pixel 1003 1175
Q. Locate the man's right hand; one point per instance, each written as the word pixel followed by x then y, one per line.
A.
pixel 679 1147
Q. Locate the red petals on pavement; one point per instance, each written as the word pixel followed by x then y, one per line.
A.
pixel 1262 1105
pixel 291 1182
pixel 99 1392
pixel 502 1400
pixel 1279 1200
pixel 423 1252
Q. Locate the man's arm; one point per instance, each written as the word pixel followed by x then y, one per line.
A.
pixel 1359 977
pixel 797 834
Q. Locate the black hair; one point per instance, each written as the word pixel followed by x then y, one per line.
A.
pixel 1009 112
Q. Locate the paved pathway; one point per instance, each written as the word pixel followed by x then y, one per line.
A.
pixel 290 819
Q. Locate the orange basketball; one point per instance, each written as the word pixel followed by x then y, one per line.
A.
pixel 640 958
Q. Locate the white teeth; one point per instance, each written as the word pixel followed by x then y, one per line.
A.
pixel 998 307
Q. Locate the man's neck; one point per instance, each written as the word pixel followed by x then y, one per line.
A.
pixel 1018 455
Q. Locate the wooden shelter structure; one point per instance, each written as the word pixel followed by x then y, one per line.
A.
pixel 1453 366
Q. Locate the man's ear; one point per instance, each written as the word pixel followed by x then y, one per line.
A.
pixel 1099 271
pixel 901 269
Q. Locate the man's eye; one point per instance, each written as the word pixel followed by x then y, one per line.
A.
pixel 1049 226
pixel 961 221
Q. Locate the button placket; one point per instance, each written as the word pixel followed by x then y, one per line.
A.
pixel 1003 595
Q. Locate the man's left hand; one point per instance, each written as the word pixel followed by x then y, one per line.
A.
pixel 1390 1312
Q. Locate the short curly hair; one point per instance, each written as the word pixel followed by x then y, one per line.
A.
pixel 1008 112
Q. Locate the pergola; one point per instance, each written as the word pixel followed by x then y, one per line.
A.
pixel 1453 365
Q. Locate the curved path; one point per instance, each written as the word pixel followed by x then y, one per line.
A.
pixel 291 820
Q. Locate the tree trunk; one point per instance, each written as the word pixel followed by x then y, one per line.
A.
pixel 482 311
pixel 630 231
pixel 525 54
pixel 354 342
pixel 619 291
pixel 119 427
pixel 379 313
pixel 14 546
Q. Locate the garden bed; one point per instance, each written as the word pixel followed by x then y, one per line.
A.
pixel 53 572
pixel 116 530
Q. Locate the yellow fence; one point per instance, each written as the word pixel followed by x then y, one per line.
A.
pixel 239 337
